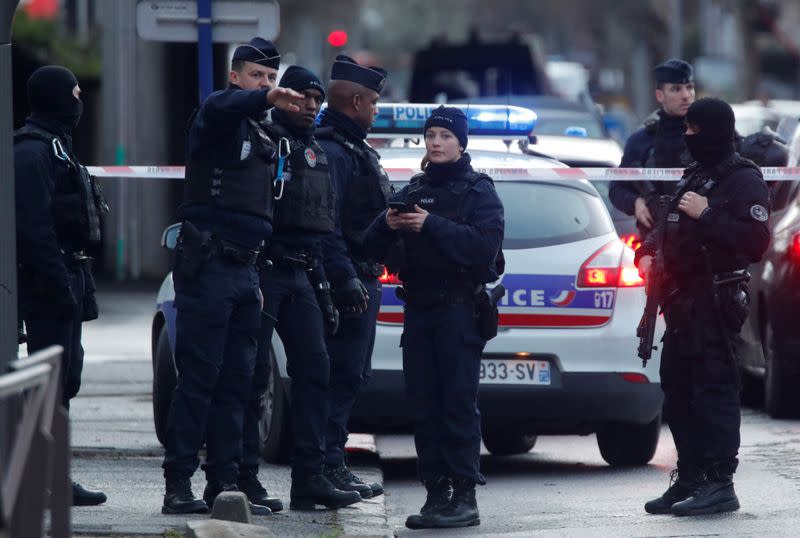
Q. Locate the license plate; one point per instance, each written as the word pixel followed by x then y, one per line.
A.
pixel 514 372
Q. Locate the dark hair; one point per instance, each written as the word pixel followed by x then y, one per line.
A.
pixel 237 65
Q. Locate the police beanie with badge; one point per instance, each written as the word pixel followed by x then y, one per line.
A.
pixel 716 123
pixel 674 71
pixel 451 118
pixel 346 68
pixel 50 94
pixel 299 78
pixel 260 51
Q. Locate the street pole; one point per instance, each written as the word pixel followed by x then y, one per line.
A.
pixel 8 229
pixel 204 49
pixel 676 29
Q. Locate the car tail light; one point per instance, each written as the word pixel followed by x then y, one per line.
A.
pixel 610 267
pixel 794 248
pixel 635 378
pixel 632 240
pixel 389 278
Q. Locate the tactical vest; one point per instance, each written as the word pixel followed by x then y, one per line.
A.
pixel 244 185
pixel 367 193
pixel 422 254
pixel 666 152
pixel 76 208
pixel 682 252
pixel 305 201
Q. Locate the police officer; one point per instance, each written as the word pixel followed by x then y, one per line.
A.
pixel 362 188
pixel 716 226
pixel 451 231
pixel 226 216
pixel 58 208
pixel 297 298
pixel 658 144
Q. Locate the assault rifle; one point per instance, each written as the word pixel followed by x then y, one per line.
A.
pixel 654 285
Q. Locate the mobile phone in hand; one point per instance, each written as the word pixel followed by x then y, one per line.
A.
pixel 402 207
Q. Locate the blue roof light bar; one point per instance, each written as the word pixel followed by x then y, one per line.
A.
pixel 484 120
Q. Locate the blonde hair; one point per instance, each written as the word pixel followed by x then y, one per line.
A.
pixel 424 162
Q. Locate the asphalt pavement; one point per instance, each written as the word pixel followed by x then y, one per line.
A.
pixel 115 448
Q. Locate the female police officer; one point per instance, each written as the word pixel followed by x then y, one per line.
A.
pixel 451 230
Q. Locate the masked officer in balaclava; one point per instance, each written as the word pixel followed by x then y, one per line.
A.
pixel 716 226
pixel 58 208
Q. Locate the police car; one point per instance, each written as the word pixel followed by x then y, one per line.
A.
pixel 564 360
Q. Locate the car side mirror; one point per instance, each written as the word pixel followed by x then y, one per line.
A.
pixel 170 236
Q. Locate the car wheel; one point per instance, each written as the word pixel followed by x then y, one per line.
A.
pixel 504 441
pixel 165 377
pixel 629 444
pixel 273 423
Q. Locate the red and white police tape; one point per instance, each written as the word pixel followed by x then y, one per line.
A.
pixel 403 174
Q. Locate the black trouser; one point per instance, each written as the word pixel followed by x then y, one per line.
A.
pixel 701 389
pixel 290 307
pixel 44 330
pixel 216 327
pixel 350 350
pixel 441 363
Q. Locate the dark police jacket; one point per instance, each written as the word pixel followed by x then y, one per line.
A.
pixel 462 235
pixel 362 190
pixel 305 202
pixel 223 137
pixel 57 214
pixel 734 229
pixel 659 144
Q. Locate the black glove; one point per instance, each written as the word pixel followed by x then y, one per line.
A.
pixel 351 296
pixel 330 315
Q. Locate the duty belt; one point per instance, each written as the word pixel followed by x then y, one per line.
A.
pixel 287 257
pixel 425 298
pixel 232 251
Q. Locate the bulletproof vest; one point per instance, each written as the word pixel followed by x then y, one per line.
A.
pixel 444 199
pixel 78 201
pixel 244 185
pixel 367 193
pixel 305 200
pixel 683 255
pixel 668 151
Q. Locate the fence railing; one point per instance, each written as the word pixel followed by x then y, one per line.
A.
pixel 36 475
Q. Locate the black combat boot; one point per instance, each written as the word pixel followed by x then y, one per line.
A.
pixel 309 491
pixel 215 487
pixel 250 486
pixel 179 498
pixel 461 511
pixel 440 490
pixel 714 494
pixel 682 483
pixel 86 497
pixel 343 479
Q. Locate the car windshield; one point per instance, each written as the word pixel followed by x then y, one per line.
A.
pixel 546 214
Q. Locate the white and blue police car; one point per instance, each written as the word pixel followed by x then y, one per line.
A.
pixel 564 360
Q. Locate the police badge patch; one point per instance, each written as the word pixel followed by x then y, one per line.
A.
pixel 311 157
pixel 759 213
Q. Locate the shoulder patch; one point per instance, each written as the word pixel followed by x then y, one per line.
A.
pixel 759 213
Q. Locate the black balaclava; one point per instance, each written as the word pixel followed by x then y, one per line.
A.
pixel 714 142
pixel 50 95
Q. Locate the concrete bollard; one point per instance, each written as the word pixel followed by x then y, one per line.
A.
pixel 232 506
